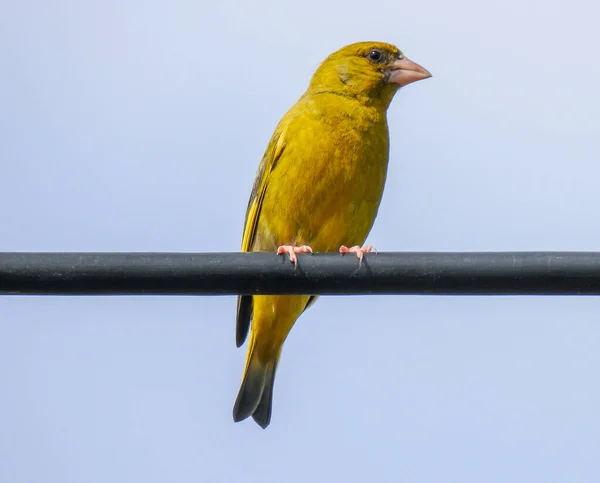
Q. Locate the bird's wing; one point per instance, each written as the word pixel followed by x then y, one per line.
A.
pixel 268 163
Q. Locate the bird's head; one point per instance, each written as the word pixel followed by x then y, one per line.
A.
pixel 369 71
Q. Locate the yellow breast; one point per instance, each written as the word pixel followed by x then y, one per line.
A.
pixel 327 185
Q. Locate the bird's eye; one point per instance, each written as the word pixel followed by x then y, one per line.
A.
pixel 375 55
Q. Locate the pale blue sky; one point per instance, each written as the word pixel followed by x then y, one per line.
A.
pixel 138 125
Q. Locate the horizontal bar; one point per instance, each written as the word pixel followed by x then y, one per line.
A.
pixel 450 273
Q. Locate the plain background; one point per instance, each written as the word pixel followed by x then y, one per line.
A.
pixel 138 126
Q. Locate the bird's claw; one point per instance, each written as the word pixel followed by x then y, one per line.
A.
pixel 360 251
pixel 292 250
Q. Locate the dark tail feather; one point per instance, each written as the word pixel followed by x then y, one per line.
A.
pixel 251 391
pixel 262 414
pixel 256 392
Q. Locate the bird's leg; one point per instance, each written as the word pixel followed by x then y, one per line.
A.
pixel 360 251
pixel 292 250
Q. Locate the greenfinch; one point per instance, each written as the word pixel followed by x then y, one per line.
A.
pixel 318 187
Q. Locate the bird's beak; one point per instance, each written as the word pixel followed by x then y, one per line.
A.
pixel 403 72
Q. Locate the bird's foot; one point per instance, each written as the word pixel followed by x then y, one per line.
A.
pixel 360 251
pixel 291 251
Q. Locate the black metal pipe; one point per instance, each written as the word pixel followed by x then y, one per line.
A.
pixel 453 273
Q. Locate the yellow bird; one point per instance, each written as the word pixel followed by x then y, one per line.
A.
pixel 318 187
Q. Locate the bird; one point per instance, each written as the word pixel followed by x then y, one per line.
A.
pixel 318 188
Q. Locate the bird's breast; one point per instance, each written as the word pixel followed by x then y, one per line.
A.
pixel 326 188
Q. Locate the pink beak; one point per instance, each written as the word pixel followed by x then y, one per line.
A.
pixel 403 72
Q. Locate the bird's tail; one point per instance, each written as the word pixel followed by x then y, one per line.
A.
pixel 255 397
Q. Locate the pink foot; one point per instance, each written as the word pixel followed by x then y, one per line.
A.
pixel 291 251
pixel 358 250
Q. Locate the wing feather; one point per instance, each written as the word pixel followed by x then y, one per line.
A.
pixel 269 161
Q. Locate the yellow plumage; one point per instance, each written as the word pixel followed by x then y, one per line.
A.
pixel 320 183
